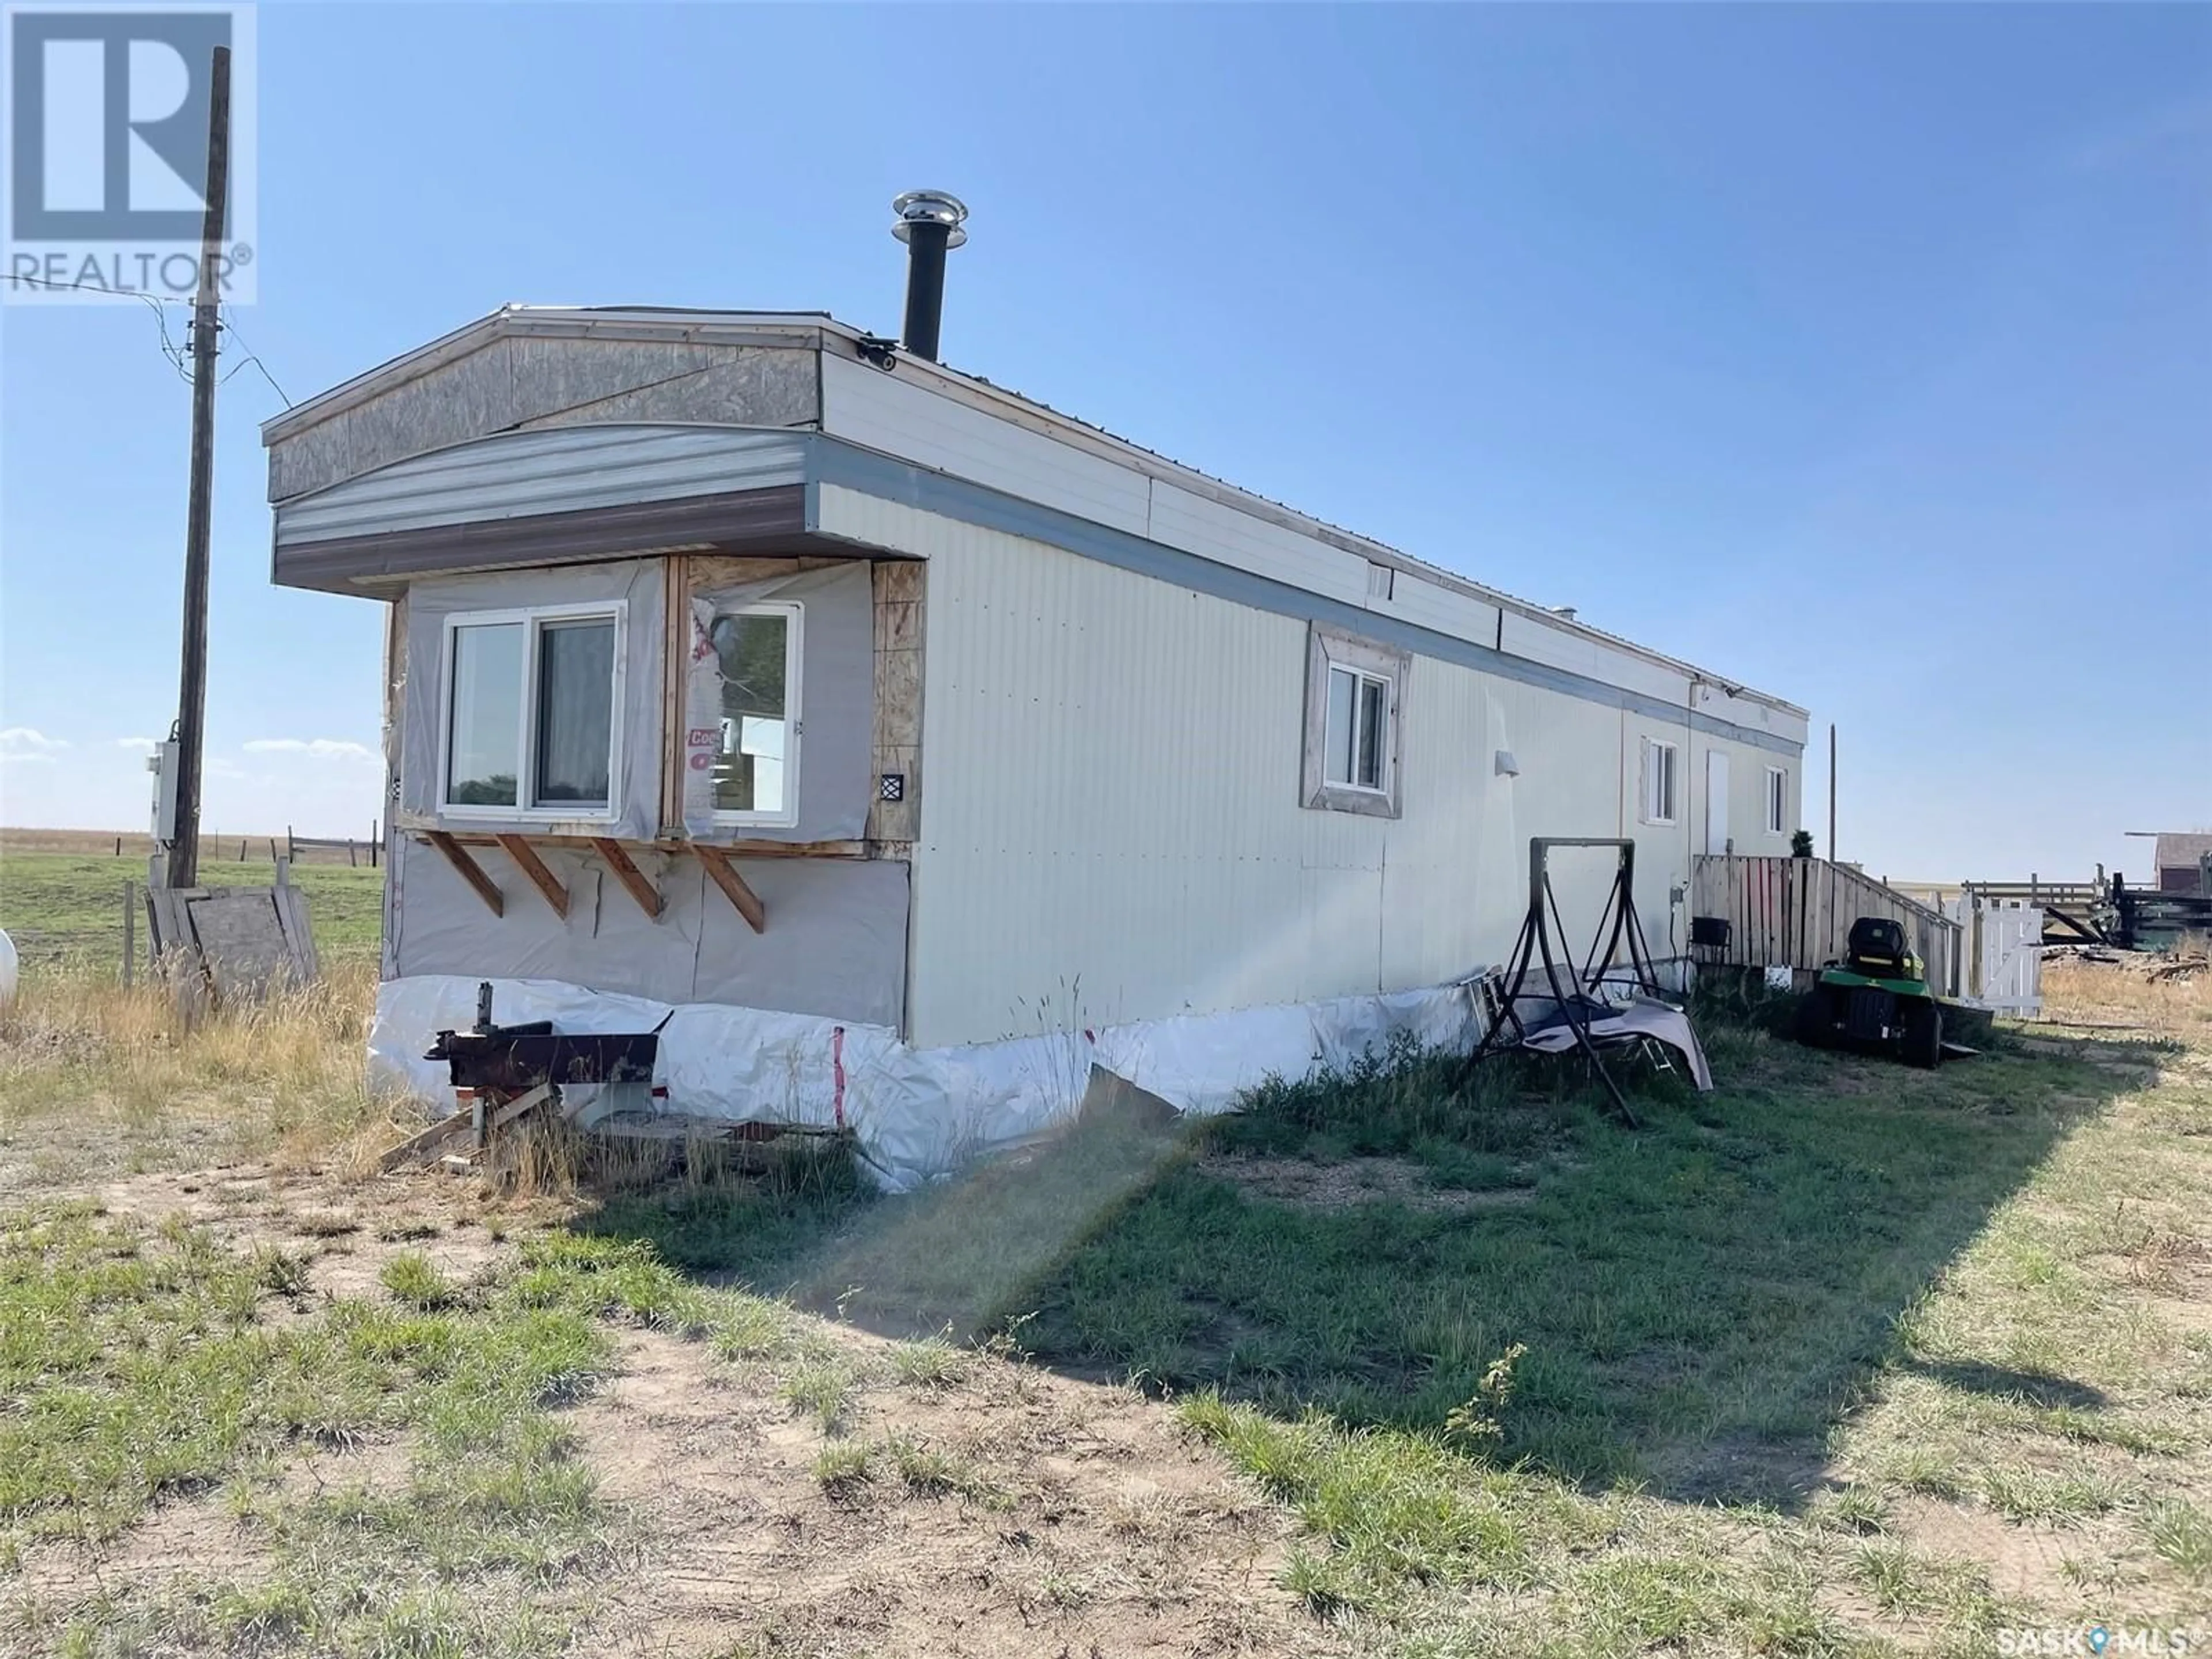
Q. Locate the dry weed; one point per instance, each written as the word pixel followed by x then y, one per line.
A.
pixel 285 1077
pixel 2123 994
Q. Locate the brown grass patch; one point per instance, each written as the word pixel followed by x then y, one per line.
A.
pixel 1354 1181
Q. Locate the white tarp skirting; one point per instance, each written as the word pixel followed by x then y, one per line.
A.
pixel 919 1113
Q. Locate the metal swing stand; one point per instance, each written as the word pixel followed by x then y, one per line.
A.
pixel 1573 997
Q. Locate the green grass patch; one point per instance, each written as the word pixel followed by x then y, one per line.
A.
pixel 842 1466
pixel 2180 1533
pixel 819 1387
pixel 412 1277
pixel 1699 1300
pixel 1464 1557
pixel 136 1367
pixel 933 1362
pixel 67 907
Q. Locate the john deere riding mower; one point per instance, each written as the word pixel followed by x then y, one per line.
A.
pixel 1875 998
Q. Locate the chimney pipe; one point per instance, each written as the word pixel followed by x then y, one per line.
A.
pixel 929 223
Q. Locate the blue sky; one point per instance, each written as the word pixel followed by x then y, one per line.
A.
pixel 1862 352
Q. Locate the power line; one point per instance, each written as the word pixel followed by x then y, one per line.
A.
pixel 155 302
pixel 169 348
pixel 98 288
pixel 253 358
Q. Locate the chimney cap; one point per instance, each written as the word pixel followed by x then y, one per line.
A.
pixel 939 207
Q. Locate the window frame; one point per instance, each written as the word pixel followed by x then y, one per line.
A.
pixel 1777 800
pixel 533 618
pixel 1651 812
pixel 794 699
pixel 1332 649
pixel 1361 678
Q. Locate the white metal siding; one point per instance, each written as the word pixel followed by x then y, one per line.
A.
pixel 1580 654
pixel 882 412
pixel 521 473
pixel 1427 605
pixel 1111 827
pixel 1182 520
pixel 901 418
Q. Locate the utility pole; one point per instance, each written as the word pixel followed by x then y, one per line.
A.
pixel 1831 791
pixel 192 688
pixel 1832 833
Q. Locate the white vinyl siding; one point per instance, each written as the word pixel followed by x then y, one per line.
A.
pixel 530 714
pixel 518 474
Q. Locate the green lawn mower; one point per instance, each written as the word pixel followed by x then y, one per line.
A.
pixel 1877 999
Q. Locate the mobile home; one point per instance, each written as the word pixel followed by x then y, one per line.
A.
pixel 918 745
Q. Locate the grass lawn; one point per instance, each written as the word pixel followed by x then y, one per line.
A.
pixel 66 908
pixel 142 1363
pixel 1842 1359
pixel 1805 1320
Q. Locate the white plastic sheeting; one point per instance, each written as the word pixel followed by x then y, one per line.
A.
pixel 917 1113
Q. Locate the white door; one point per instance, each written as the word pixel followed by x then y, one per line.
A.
pixel 1717 828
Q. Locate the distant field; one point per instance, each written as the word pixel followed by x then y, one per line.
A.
pixel 223 849
pixel 65 906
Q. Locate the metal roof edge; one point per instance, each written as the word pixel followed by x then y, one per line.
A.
pixel 820 328
pixel 624 322
pixel 1097 440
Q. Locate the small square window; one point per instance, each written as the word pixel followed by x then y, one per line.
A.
pixel 1358 729
pixel 1353 711
pixel 530 711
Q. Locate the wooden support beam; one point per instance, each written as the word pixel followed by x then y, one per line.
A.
pixel 675 660
pixel 472 872
pixel 423 823
pixel 416 1145
pixel 734 887
pixel 520 1106
pixel 526 860
pixel 632 878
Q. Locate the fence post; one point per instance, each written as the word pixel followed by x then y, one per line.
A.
pixel 130 928
pixel 241 849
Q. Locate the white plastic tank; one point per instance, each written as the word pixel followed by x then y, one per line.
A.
pixel 6 970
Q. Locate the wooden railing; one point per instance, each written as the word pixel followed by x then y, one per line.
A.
pixel 1797 912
